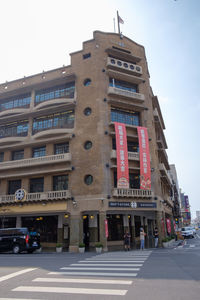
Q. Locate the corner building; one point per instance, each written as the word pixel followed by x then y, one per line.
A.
pixel 58 158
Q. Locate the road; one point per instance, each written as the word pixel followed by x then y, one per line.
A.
pixel 139 275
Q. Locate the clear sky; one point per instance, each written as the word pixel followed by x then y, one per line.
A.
pixel 38 35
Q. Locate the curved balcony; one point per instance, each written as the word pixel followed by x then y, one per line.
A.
pixel 33 197
pixel 13 111
pixel 12 140
pixel 125 94
pixel 54 102
pixel 131 155
pixel 52 132
pixel 31 162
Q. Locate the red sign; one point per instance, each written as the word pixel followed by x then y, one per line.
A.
pixel 168 225
pixel 145 170
pixel 106 228
pixel 122 156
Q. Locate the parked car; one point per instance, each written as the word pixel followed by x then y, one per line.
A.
pixel 18 240
pixel 187 232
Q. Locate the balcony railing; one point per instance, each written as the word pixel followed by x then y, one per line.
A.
pixel 125 93
pixel 45 196
pixel 30 162
pixel 129 193
pixel 131 155
pixel 123 65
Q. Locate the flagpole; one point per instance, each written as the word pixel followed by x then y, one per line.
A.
pixel 118 22
pixel 114 25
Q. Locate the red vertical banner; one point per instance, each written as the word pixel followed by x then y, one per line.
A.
pixel 168 225
pixel 122 156
pixel 106 228
pixel 145 170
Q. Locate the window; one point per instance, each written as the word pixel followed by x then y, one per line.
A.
pixel 1 156
pixel 88 145
pixel 131 87
pixel 59 120
pixel 65 90
pixel 134 180
pixel 87 111
pixel 88 179
pixel 126 117
pixel 17 155
pixel 38 152
pixel 87 82
pixel 131 146
pixel 13 186
pixel 61 148
pixel 15 102
pixel 87 55
pixel 60 182
pixel 36 185
pixel 14 129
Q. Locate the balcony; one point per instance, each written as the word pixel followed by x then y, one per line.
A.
pixel 122 93
pixel 34 197
pixel 31 162
pixel 123 65
pixel 131 155
pixel 158 119
pixel 132 193
pixel 164 174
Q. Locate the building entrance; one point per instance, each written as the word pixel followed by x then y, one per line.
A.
pixel 86 234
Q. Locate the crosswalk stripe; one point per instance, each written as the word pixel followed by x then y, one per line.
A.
pixel 19 299
pixel 108 265
pixel 80 280
pixel 95 274
pixel 113 261
pixel 100 269
pixel 64 290
pixel 3 278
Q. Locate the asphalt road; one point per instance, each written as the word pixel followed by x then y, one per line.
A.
pixel 136 275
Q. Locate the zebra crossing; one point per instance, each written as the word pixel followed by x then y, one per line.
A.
pixel 118 270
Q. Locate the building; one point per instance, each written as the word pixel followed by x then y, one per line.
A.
pixel 185 209
pixel 59 167
pixel 176 196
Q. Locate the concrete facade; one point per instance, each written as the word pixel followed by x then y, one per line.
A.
pixel 90 163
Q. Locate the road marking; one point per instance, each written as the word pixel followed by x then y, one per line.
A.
pixel 18 299
pixel 101 269
pixel 108 265
pixel 80 280
pixel 6 277
pixel 61 290
pixel 95 274
pixel 114 261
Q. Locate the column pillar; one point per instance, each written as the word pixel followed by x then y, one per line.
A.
pixel 76 232
pixel 133 231
pixel 60 229
pixel 102 232
pixel 159 217
pixel 18 222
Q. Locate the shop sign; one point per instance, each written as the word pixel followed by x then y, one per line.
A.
pixel 20 195
pixel 133 204
pixel 145 170
pixel 122 156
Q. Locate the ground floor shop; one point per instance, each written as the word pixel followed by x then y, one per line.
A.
pixel 58 223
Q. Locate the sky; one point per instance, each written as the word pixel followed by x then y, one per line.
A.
pixel 39 35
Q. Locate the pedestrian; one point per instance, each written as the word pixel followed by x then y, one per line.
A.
pixel 156 237
pixel 142 238
pixel 127 241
